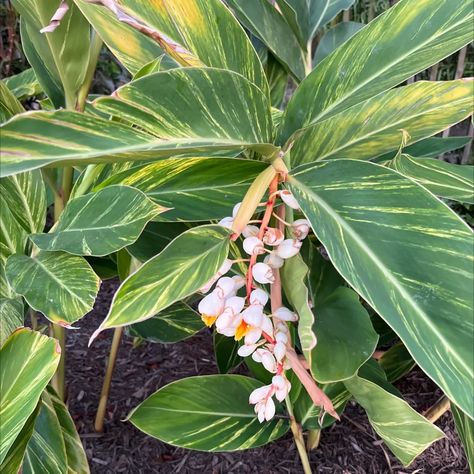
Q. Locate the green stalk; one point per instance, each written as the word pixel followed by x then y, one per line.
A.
pixel 313 439
pixel 298 437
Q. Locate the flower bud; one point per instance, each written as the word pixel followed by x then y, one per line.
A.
pixel 265 357
pixel 285 314
pixel 250 231
pixel 282 386
pixel 253 246
pixel 273 236
pixel 279 351
pixel 225 267
pixel 246 349
pixel 239 282
pixel 300 228
pixel 288 248
pixel 226 222
pixel 258 297
pixel 225 287
pixel 236 208
pixel 273 260
pixel 263 273
pixel 288 198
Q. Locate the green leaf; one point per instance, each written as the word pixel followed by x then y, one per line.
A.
pixel 277 82
pixel 195 189
pixel 28 360
pixel 24 84
pixel 9 104
pixel 455 182
pixel 13 238
pixel 264 21
pixel 174 324
pixel 375 127
pixel 204 28
pixel 424 31
pixel 225 350
pixel 409 435
pixel 63 54
pixel 334 38
pixel 11 317
pixel 100 223
pixel 207 413
pixel 68 281
pixel 465 430
pixel 346 338
pixel 183 267
pixel 396 362
pixel 155 237
pixel 25 196
pixel 185 123
pixel 406 253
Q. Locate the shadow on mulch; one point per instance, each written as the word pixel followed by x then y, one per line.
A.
pixel 349 447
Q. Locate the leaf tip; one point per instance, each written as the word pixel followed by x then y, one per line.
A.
pixel 94 335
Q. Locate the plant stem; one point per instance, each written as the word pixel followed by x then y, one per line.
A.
pixel 298 437
pixel 435 412
pixel 33 319
pixel 58 381
pixel 309 57
pixel 314 437
pixel 104 395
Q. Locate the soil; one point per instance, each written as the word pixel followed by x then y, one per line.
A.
pixel 349 447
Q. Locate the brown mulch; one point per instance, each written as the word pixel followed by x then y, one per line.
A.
pixel 349 447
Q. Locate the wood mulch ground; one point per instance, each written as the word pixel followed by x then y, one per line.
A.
pixel 349 447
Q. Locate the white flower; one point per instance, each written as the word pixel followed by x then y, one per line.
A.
pixel 225 267
pixel 253 315
pixel 288 198
pixel 228 321
pixel 273 236
pixel 211 307
pixel 246 349
pixel 225 287
pixel 273 260
pixel 264 404
pixel 288 248
pixel 285 314
pixel 263 273
pixel 300 228
pixel 236 208
pixel 239 282
pixel 250 231
pixel 253 246
pixel 260 394
pixel 258 297
pixel 266 358
pixel 281 386
pixel 226 222
pixel 279 351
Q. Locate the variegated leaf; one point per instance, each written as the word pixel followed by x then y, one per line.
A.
pixel 183 267
pixel 405 432
pixel 13 237
pixel 443 179
pixel 100 223
pixel 205 28
pixel 264 21
pixel 417 27
pixel 465 430
pixel 396 362
pixel 25 196
pixel 11 317
pixel 9 104
pixel 28 360
pixel 375 127
pixel 406 253
pixel 24 84
pixel 207 413
pixel 68 282
pixel 194 189
pixel 177 322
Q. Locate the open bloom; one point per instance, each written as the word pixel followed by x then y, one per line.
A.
pixel 263 273
pixel 300 228
pixel 264 404
pixel 229 319
pixel 288 198
pixel 210 308
pixel 288 248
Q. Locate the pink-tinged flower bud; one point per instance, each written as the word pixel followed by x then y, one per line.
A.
pixel 224 287
pixel 279 351
pixel 285 314
pixel 273 236
pixel 210 307
pixel 282 386
pixel 273 260
pixel 239 282
pixel 236 208
pixel 226 222
pixel 258 297
pixel 250 231
pixel 300 228
pixel 253 246
pixel 269 409
pixel 225 267
pixel 265 357
pixel 263 273
pixel 281 337
pixel 288 198
pixel 259 394
pixel 266 325
pixel 246 350
pixel 288 248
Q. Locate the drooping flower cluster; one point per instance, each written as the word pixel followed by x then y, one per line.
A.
pixel 265 336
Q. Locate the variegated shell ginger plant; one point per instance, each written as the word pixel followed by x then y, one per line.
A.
pixel 315 240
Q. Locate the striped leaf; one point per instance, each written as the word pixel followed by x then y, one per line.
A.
pixel 183 267
pixel 11 317
pixel 225 352
pixel 100 223
pixel 213 110
pixel 174 324
pixel 9 104
pixel 425 31
pixel 374 127
pixel 205 28
pixel 13 237
pixel 409 435
pixel 28 360
pixel 406 253
pixel 68 281
pixel 208 413
pixel 346 338
pixel 195 189
pixel 24 84
pixel 264 21
pixel 443 179
pixel 59 56
pixel 277 81
pixel 397 362
pixel 25 196
pixel 465 430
